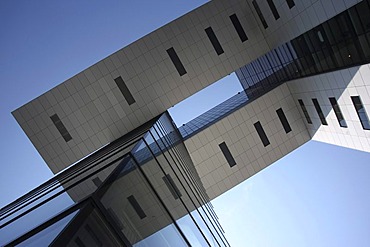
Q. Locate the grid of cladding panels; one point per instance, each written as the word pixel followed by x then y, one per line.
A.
pixel 140 205
pixel 145 204
pixel 238 132
pixel 297 19
pixel 95 112
pixel 338 43
pixel 341 85
pixel 323 48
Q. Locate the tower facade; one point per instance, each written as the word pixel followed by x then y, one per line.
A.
pixel 304 69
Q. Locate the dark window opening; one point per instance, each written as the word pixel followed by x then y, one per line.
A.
pixel 338 112
pixel 97 181
pixel 259 13
pixel 172 186
pixel 305 112
pixel 273 9
pixel 215 43
pixel 238 27
pixel 176 61
pixel 226 152
pixel 283 120
pixel 136 206
pixel 261 133
pixel 290 3
pixel 124 90
pixel 361 112
pixel 319 111
pixel 61 128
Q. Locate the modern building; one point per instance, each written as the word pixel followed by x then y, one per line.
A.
pixel 133 178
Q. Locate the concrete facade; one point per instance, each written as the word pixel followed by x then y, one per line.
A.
pixel 94 111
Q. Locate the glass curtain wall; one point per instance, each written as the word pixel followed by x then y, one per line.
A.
pixel 152 196
pixel 341 42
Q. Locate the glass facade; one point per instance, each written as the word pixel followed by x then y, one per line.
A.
pixel 133 205
pixel 341 42
pixel 213 115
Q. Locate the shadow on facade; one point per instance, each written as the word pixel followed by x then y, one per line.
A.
pixel 141 190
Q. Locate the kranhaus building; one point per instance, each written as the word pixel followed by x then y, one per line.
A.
pixel 127 176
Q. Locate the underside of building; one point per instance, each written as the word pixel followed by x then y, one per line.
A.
pixel 127 176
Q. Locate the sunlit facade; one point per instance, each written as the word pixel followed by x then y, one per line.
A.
pixel 127 176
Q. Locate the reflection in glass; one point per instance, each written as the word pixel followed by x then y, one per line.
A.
pixel 46 236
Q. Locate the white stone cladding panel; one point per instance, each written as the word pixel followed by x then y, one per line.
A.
pixel 342 85
pixel 95 112
pixel 238 132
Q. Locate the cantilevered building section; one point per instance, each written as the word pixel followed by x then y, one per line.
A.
pixel 132 176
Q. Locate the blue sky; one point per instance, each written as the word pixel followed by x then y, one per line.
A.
pixel 316 196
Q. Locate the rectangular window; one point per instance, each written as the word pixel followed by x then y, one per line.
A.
pixel 216 44
pixel 362 115
pixel 172 186
pixel 259 13
pixel 226 152
pixel 283 120
pixel 273 9
pixel 176 61
pixel 61 128
pixel 136 206
pixel 97 181
pixel 338 112
pixel 305 112
pixel 124 90
pixel 319 111
pixel 261 133
pixel 238 27
pixel 290 3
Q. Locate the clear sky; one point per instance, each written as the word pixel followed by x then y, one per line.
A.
pixel 317 196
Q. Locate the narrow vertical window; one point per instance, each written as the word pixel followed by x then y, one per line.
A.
pixel 61 128
pixel 124 90
pixel 216 44
pixel 273 9
pixel 283 120
pixel 259 13
pixel 290 3
pixel 362 115
pixel 136 206
pixel 338 112
pixel 172 186
pixel 176 61
pixel 226 152
pixel 319 111
pixel 261 133
pixel 305 112
pixel 97 181
pixel 238 27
